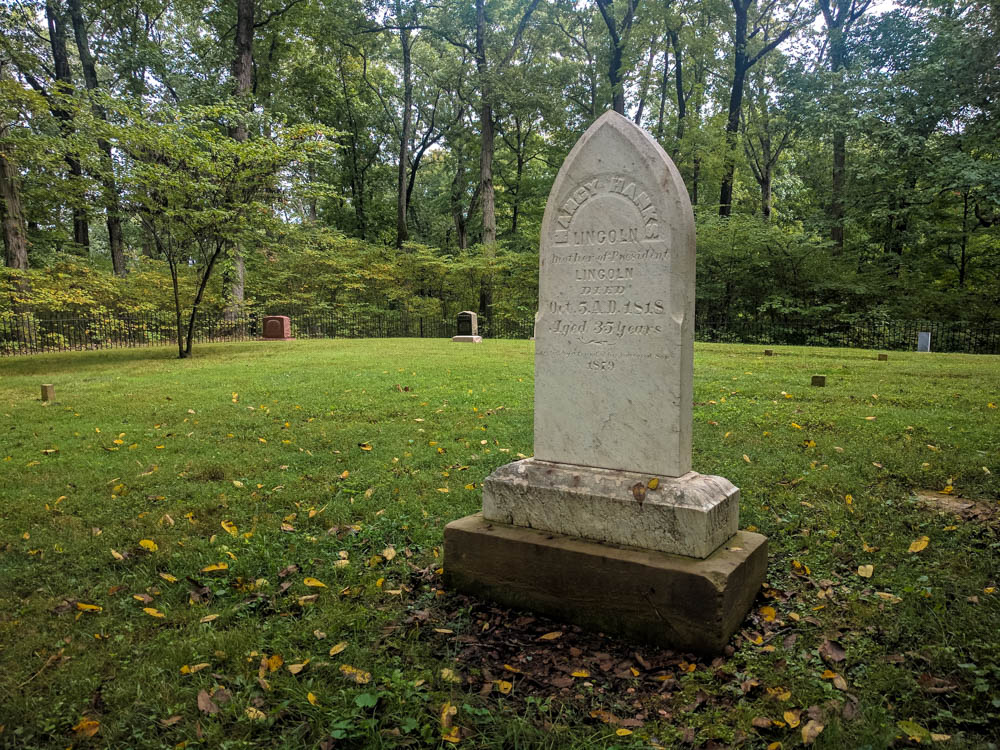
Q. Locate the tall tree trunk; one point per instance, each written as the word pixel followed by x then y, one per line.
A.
pixel 663 95
pixel 837 60
pixel 679 86
pixel 644 86
pixel 111 200
pixel 740 67
pixel 64 84
pixel 402 235
pixel 15 235
pixel 619 35
pixel 243 88
pixel 487 129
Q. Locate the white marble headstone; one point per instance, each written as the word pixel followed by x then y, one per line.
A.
pixel 615 326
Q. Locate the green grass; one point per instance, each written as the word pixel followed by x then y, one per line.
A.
pixel 260 435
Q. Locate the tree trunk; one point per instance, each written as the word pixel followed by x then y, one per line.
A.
pixel 402 235
pixel 243 87
pixel 740 67
pixel 15 235
pixel 765 192
pixel 837 59
pixel 487 127
pixel 111 200
pixel 644 86
pixel 663 95
pixel 64 81
pixel 619 34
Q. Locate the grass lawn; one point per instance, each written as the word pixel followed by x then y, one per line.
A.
pixel 244 550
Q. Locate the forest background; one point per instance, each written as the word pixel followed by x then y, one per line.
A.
pixel 397 154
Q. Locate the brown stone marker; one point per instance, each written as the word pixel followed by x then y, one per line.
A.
pixel 819 380
pixel 607 525
pixel 769 352
pixel 883 357
pixel 277 328
pixel 48 392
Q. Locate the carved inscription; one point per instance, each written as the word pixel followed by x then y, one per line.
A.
pixel 604 266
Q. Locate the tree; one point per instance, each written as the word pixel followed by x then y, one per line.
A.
pixel 766 24
pixel 203 191
pixel 113 210
pixel 619 32
pixel 840 16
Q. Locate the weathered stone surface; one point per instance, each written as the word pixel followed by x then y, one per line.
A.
pixel 48 392
pixel 924 341
pixel 467 323
pixel 277 328
pixel 468 339
pixel 819 380
pixel 648 596
pixel 883 357
pixel 690 515
pixel 615 327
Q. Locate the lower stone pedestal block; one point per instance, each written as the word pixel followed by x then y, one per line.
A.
pixel 468 339
pixel 670 600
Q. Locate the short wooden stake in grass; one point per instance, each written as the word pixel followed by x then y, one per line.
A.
pixel 819 380
pixel 883 357
pixel 48 392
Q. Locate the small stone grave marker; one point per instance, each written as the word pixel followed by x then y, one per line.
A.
pixel 607 525
pixel 883 357
pixel 819 380
pixel 277 328
pixel 48 392
pixel 467 328
pixel 924 341
pixel 769 352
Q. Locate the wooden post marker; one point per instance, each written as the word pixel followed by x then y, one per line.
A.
pixel 48 392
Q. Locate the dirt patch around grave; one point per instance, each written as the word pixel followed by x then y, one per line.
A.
pixel 962 508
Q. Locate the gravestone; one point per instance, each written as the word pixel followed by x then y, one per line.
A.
pixel 277 328
pixel 607 525
pixel 883 357
pixel 819 380
pixel 468 328
pixel 924 341
pixel 769 352
pixel 48 392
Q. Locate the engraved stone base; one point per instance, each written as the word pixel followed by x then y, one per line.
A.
pixel 669 600
pixel 468 339
pixel 691 515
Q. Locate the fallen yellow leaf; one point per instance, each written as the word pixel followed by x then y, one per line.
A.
pixel 255 714
pixel 86 728
pixel 920 544
pixel 551 636
pixel 229 527
pixel 448 675
pixel 215 567
pixel 153 612
pixel 311 698
pixel 88 607
pixel 355 675
pixel 581 673
pixel 337 648
pixel 168 578
pixel 191 669
pixel 768 613
pixel 148 544
pixel 866 571
pixel 314 582
pixel 504 686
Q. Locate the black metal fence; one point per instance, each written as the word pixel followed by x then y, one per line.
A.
pixel 896 335
pixel 33 334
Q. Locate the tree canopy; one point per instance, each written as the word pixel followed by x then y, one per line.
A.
pixel 841 156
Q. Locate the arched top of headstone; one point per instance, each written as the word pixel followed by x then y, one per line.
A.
pixel 620 159
pixel 615 326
